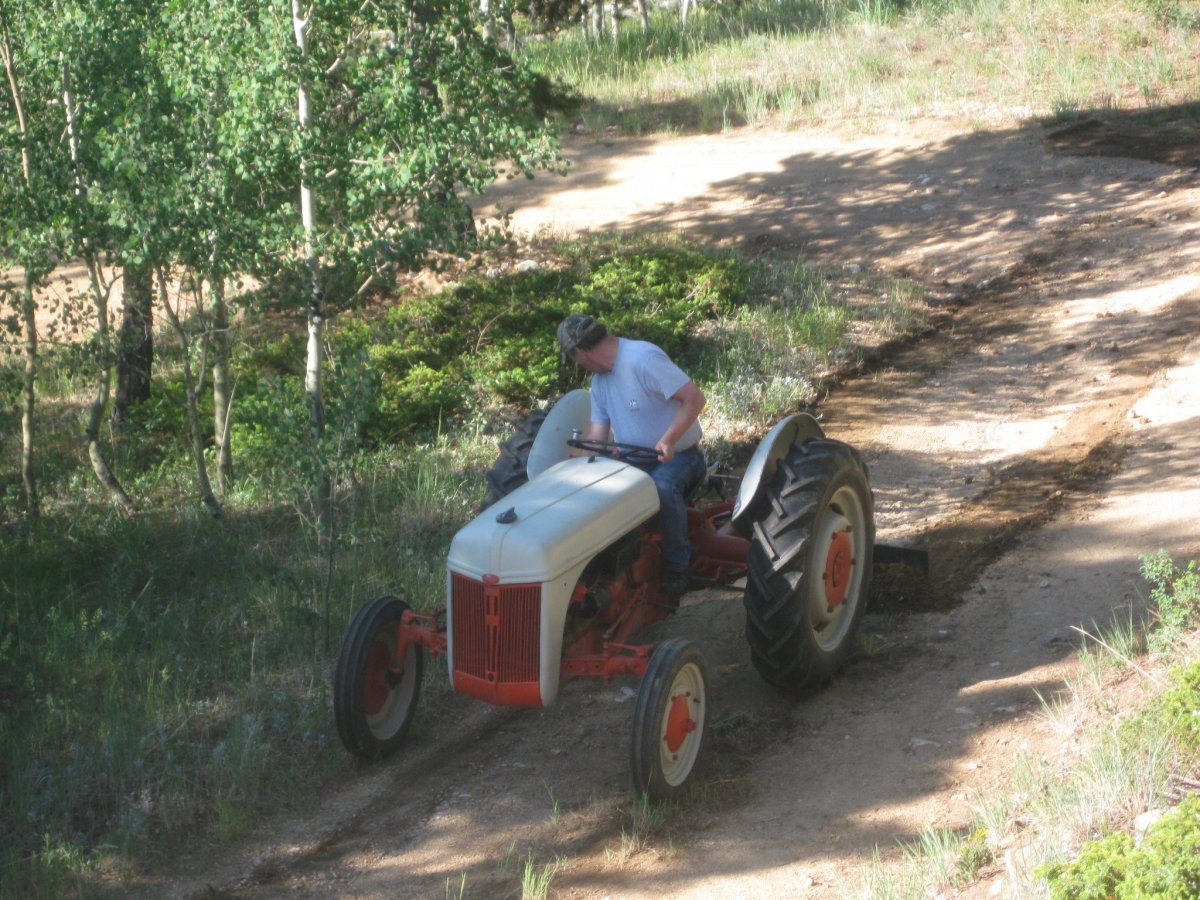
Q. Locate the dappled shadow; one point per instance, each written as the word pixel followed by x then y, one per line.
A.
pixel 958 211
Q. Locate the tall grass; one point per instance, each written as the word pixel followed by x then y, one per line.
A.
pixel 849 61
pixel 773 355
pixel 168 675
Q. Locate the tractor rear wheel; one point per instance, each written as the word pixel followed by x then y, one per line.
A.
pixel 668 719
pixel 809 564
pixel 510 470
pixel 374 699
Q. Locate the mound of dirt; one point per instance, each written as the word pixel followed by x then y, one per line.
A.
pixel 1170 136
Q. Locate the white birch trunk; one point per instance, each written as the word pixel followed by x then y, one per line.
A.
pixel 313 391
pixel 222 391
pixel 316 320
pixel 643 12
pixel 488 14
pixel 100 292
pixel 28 308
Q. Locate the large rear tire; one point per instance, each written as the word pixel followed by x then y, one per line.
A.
pixel 511 469
pixel 668 719
pixel 372 704
pixel 809 564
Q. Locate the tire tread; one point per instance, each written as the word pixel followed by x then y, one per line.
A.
pixel 777 627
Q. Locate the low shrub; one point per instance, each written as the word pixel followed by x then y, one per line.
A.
pixel 1180 709
pixel 490 342
pixel 1166 865
pixel 1174 597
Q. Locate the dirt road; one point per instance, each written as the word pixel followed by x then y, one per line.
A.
pixel 1036 443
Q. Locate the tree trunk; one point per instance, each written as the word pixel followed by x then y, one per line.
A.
pixel 510 29
pixel 598 19
pixel 488 13
pixel 135 341
pixel 33 506
pixel 99 291
pixel 222 392
pixel 192 390
pixel 643 15
pixel 615 20
pixel 313 393
pixel 103 471
pixel 684 5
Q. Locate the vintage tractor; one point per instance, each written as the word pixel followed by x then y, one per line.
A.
pixel 560 574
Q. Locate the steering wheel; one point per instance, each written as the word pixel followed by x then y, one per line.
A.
pixel 630 453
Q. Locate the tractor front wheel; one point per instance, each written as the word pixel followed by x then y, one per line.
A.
pixel 375 693
pixel 668 719
pixel 810 564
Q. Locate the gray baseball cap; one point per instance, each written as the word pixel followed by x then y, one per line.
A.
pixel 577 332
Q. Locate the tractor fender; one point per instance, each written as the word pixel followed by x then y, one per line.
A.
pixel 795 429
pixel 573 412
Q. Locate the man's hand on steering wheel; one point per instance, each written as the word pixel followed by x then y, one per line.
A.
pixel 633 453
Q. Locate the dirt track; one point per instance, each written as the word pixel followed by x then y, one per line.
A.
pixel 1039 441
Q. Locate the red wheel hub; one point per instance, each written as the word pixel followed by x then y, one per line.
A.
pixel 375 684
pixel 839 564
pixel 679 721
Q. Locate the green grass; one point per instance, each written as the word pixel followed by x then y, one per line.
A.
pixel 168 675
pixel 536 878
pixel 854 61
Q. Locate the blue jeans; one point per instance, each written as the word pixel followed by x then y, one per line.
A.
pixel 673 480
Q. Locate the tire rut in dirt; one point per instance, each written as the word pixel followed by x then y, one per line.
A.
pixel 1029 493
pixel 820 491
pixel 397 803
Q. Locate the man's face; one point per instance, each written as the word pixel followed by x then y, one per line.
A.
pixel 587 359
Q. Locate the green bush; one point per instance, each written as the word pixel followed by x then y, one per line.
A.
pixel 282 356
pixel 1166 865
pixel 662 295
pixel 416 399
pixel 1180 708
pixel 1174 596
pixel 268 420
pixel 1173 13
pixel 489 343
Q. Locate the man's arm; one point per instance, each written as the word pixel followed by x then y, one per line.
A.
pixel 597 431
pixel 691 400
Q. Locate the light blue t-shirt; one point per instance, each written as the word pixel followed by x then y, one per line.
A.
pixel 635 397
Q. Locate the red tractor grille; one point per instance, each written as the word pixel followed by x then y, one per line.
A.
pixel 496 630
